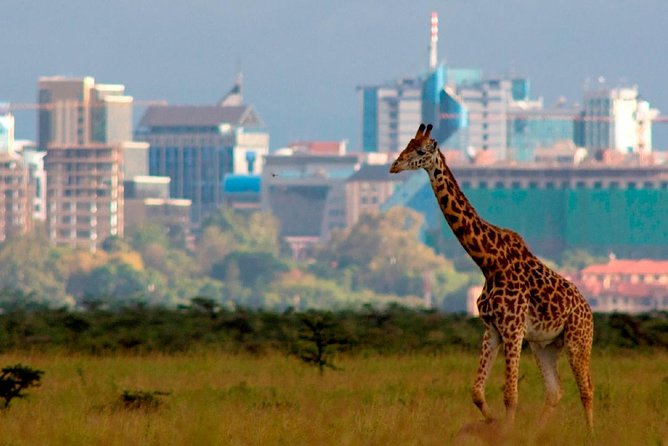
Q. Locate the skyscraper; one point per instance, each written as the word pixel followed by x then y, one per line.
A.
pixel 79 111
pixel 84 127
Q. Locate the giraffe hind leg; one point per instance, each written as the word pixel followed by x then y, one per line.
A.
pixel 546 357
pixel 578 344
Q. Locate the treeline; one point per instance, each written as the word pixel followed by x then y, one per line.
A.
pixel 205 325
pixel 236 259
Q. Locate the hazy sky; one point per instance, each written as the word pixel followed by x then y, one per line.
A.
pixel 302 59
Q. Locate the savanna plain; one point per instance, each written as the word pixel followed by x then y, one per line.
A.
pixel 213 398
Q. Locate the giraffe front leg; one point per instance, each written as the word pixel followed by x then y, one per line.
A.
pixel 512 349
pixel 490 348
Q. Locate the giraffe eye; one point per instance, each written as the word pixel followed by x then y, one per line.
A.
pixel 420 152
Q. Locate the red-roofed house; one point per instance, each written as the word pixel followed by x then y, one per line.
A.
pixel 319 147
pixel 626 286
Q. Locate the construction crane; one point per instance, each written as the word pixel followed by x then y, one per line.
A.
pixel 8 107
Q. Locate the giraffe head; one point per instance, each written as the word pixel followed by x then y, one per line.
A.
pixel 421 152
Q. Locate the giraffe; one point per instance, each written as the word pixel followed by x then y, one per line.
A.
pixel 522 298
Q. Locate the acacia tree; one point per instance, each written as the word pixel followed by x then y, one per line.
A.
pixel 14 380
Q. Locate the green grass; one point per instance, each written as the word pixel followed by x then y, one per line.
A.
pixel 275 400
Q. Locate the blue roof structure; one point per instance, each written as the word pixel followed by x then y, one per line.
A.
pixel 241 184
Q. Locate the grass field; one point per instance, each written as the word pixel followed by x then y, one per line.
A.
pixel 276 400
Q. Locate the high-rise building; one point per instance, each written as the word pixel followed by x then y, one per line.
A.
pixel 15 196
pixel 392 111
pixel 7 133
pixel 15 190
pixel 79 111
pixel 33 159
pixel 196 146
pixel 444 107
pixel 86 130
pixel 84 194
pixel 617 119
pixel 390 114
pixel 487 105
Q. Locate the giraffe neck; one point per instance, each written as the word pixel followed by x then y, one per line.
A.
pixel 480 239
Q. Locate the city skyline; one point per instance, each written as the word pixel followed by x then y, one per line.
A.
pixel 302 61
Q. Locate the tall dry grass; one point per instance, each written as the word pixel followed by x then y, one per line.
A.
pixel 276 400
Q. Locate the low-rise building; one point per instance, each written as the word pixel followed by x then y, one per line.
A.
pixel 307 194
pixel 626 286
pixel 147 201
pixel 242 192
pixel 368 188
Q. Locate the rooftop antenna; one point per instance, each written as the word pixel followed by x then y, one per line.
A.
pixel 433 57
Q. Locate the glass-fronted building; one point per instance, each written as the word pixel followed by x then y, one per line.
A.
pixel 196 146
pixel 529 130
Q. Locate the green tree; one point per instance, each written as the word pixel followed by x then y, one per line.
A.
pixel 256 231
pixel 577 259
pixel 212 247
pixel 122 282
pixel 29 265
pixel 149 234
pixel 384 253
pixel 255 269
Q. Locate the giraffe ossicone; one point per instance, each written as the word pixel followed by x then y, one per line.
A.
pixel 522 299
